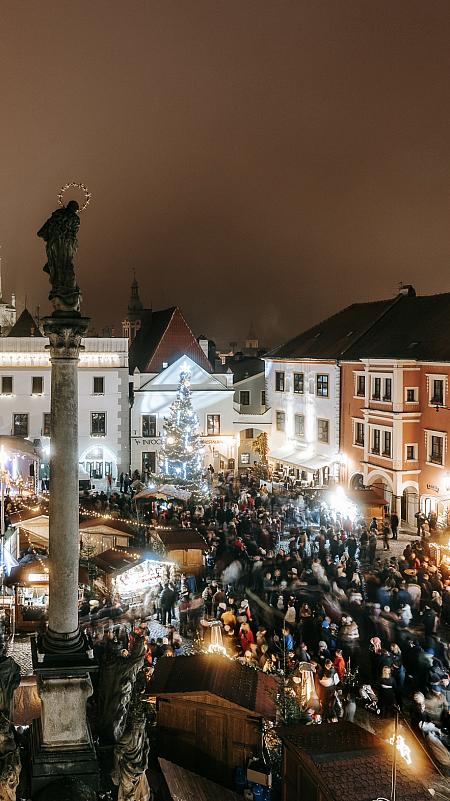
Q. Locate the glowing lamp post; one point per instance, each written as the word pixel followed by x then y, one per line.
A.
pixel 216 645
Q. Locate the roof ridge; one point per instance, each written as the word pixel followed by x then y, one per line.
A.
pixel 373 323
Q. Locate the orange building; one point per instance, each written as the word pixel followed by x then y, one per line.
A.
pixel 395 411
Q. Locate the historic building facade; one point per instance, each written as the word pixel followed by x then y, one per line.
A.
pixel 103 423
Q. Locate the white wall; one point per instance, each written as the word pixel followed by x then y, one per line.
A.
pixel 25 357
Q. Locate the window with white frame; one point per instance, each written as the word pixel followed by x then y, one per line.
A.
pixel 98 424
pixel 411 394
pixel 435 443
pixel 376 437
pixel 37 385
pixel 358 433
pixel 436 389
pixel 387 443
pixel 376 388
pixel 323 430
pixel 98 387
pixel 360 385
pixel 280 421
pixel 212 424
pixel 149 425
pixel 411 450
pixel 7 385
pixel 299 424
pixel 387 389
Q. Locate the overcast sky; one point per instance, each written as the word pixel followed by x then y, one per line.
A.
pixel 266 160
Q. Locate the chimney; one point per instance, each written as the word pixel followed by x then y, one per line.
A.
pixel 408 290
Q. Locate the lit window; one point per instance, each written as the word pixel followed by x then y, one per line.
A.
pixel 20 425
pixel 149 425
pixel 212 424
pixel 322 386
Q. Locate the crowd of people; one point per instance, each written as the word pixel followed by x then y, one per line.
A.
pixel 302 590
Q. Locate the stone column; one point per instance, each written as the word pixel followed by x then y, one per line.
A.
pixel 64 331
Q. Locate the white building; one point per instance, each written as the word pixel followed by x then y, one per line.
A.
pixel 103 423
pixel 304 395
pixel 212 399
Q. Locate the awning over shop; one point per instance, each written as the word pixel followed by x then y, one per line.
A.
pixel 299 458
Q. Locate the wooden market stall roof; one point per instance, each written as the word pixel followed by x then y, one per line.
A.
pixel 346 762
pixel 181 538
pixel 218 675
pixel 187 786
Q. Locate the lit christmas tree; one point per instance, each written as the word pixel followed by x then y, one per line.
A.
pixel 181 454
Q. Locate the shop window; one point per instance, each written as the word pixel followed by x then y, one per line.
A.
pixel 149 461
pixel 99 385
pixel 149 425
pixel 20 425
pixel 245 458
pixel 98 424
pixel 212 424
pixel 37 385
pixel 7 385
pixel 279 382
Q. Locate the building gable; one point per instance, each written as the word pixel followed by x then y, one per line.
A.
pixel 177 340
pixel 199 377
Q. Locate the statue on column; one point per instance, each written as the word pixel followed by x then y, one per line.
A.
pixel 9 750
pixel 59 233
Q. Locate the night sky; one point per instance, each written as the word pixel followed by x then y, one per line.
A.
pixel 260 160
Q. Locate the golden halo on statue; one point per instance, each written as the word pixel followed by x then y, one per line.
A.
pixel 75 185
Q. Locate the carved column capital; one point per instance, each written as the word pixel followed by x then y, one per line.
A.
pixel 65 334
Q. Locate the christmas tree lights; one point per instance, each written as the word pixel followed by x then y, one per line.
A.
pixel 182 451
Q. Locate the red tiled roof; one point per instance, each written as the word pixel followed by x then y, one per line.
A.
pixel 164 336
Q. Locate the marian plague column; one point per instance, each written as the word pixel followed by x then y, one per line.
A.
pixel 62 743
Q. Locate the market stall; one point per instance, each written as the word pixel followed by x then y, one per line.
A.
pixel 133 584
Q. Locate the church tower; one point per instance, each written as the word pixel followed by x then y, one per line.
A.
pixel 132 322
pixel 8 314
